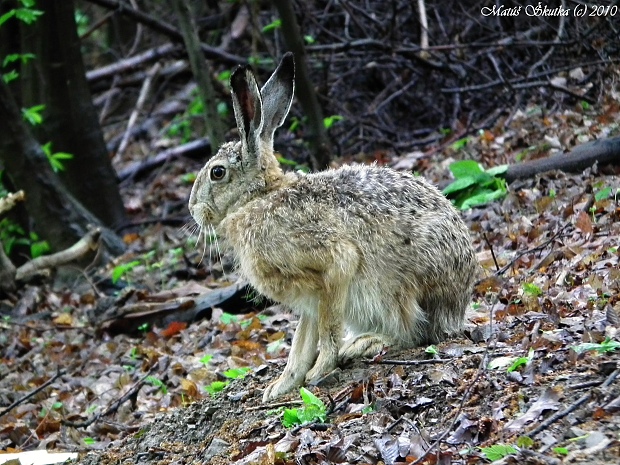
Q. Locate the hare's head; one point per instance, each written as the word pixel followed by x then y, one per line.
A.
pixel 242 170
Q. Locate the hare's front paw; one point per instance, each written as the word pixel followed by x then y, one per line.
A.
pixel 321 368
pixel 282 385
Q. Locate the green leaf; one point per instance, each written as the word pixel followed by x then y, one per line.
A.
pixel 272 26
pixel 465 168
pixel 310 399
pixel 309 39
pixel 119 271
pixel 525 442
pixel 33 114
pixel 227 318
pixel 6 16
pixel 459 144
pixel 206 359
pixel 12 57
pixel 330 120
pixel 433 350
pixel 602 194
pixel 482 198
pixel 216 386
pixel 290 417
pixel 560 450
pixel 459 185
pixel 497 170
pixel 89 441
pixel 10 76
pixel 39 248
pixel 532 289
pixel 237 373
pixel 27 15
pixel 608 345
pixel 498 451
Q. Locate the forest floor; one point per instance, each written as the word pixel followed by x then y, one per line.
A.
pixel 110 367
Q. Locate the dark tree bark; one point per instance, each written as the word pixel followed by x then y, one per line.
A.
pixel 58 217
pixel 56 78
pixel 319 143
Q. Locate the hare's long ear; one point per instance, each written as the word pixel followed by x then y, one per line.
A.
pixel 248 109
pixel 277 94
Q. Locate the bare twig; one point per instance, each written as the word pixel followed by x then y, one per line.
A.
pixel 571 408
pixel 32 393
pixel 144 92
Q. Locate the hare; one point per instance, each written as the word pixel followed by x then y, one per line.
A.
pixel 380 253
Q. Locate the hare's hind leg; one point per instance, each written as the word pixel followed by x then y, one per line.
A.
pixel 365 345
pixel 301 358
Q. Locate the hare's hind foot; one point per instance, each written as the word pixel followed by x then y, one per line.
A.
pixel 365 345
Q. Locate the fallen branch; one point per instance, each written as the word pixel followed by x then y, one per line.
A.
pixel 572 407
pixel 130 63
pixel 139 167
pixel 602 151
pixel 32 393
pixel 89 243
pixel 144 92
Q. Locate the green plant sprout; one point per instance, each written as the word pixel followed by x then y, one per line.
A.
pixel 608 345
pixel 206 359
pixel 157 383
pixel 521 361
pixel 532 289
pixel 216 387
pixel 121 270
pixel 473 186
pixel 312 410
pixel 272 26
pixel 236 373
pixel 498 451
pixel 56 159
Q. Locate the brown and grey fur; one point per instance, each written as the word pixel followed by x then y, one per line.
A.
pixel 364 248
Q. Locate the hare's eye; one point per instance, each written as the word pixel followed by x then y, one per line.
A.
pixel 218 173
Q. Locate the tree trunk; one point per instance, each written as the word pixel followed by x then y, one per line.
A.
pixel 56 78
pixel 58 217
pixel 319 143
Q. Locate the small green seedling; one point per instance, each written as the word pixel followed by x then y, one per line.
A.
pixel 473 186
pixel 608 345
pixel 206 359
pixel 498 451
pixel 120 270
pixel 525 442
pixel 157 383
pixel 560 450
pixel 272 26
pixel 312 410
pixel 227 318
pixel 216 387
pixel 236 373
pixel 56 159
pixel 331 120
pixel 89 441
pixel 532 289
pixel 521 361
pixel 33 114
pixel 432 349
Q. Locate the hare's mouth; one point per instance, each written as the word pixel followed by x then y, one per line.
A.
pixel 202 214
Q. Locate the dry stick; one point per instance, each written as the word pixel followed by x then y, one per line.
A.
pixel 32 393
pixel 486 239
pixel 168 30
pixel 533 249
pixel 130 63
pixel 144 92
pixel 582 400
pixel 274 405
pixel 115 405
pixel 88 243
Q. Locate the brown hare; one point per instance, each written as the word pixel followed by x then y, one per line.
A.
pixel 380 253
